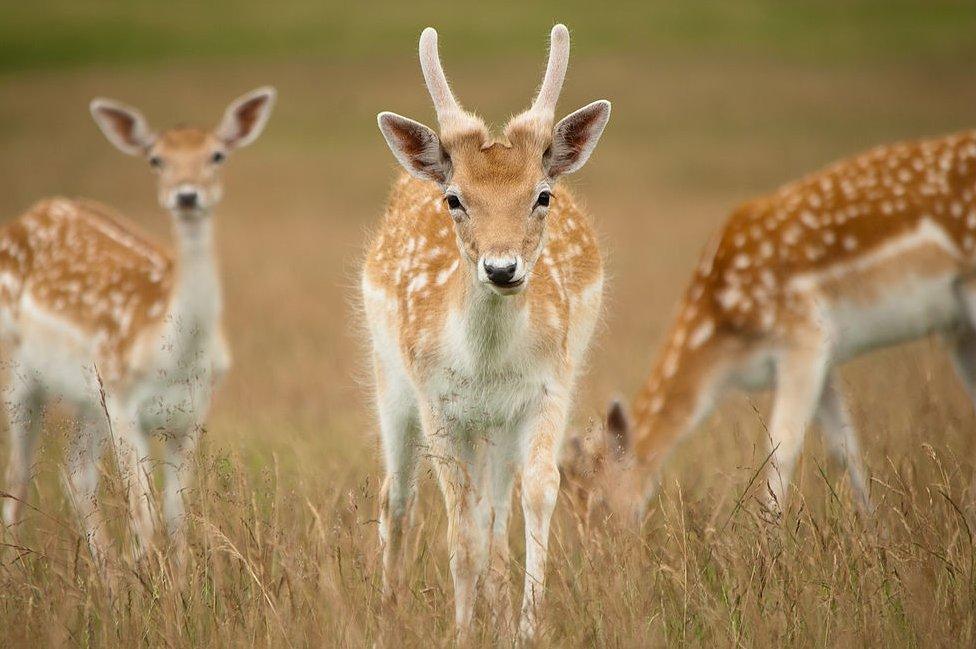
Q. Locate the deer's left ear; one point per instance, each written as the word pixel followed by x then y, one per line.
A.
pixel 618 428
pixel 245 118
pixel 575 137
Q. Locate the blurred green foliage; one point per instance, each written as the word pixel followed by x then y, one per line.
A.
pixel 64 33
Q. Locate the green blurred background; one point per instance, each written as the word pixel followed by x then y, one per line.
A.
pixel 60 33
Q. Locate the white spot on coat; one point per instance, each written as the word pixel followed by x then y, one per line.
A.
pixel 701 333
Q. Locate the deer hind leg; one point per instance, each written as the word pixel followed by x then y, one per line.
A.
pixel 961 345
pixel 961 342
pixel 25 417
pixel 400 433
pixel 800 375
pixel 841 437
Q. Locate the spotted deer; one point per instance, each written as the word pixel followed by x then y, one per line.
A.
pixel 481 288
pixel 869 252
pixel 96 316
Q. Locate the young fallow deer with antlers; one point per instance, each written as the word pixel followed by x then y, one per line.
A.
pixel 868 252
pixel 481 290
pixel 97 317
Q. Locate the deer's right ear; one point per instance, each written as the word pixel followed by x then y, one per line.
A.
pixel 618 428
pixel 124 127
pixel 416 147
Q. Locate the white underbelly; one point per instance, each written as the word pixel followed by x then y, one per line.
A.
pixel 61 360
pixel 53 355
pixel 900 291
pixel 910 311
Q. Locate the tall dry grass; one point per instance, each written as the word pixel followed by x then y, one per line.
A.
pixel 283 562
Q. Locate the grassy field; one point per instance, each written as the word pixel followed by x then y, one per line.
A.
pixel 711 105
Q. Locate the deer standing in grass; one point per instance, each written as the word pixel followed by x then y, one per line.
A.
pixel 481 289
pixel 97 317
pixel 869 252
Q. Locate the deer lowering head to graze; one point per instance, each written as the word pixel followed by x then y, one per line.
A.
pixel 481 289
pixel 128 334
pixel 871 251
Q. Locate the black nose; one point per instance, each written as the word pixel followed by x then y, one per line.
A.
pixel 186 200
pixel 502 274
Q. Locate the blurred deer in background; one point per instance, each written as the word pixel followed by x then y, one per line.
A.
pixel 482 288
pixel 97 317
pixel 869 252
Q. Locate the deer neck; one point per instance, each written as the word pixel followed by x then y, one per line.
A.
pixel 657 425
pixel 490 324
pixel 674 401
pixel 196 302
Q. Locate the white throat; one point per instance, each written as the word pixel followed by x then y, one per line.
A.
pixel 196 304
pixel 492 323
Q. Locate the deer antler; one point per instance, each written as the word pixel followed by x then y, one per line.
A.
pixel 552 84
pixel 440 91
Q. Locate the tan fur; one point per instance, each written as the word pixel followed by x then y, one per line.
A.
pixel 186 154
pixel 118 328
pixel 762 286
pixel 828 219
pixel 82 263
pixel 480 316
pixel 417 240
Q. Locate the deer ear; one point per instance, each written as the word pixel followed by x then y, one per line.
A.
pixel 575 137
pixel 245 118
pixel 618 428
pixel 416 147
pixel 125 127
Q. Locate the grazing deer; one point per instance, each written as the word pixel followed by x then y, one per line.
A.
pixel 869 252
pixel 97 317
pixel 481 289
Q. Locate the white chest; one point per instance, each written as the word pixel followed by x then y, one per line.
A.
pixel 180 361
pixel 490 373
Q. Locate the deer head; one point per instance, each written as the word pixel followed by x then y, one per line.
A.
pixel 604 473
pixel 498 192
pixel 186 160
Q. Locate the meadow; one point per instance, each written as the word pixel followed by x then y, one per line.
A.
pixel 712 104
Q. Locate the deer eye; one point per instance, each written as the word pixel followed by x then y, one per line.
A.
pixel 543 200
pixel 453 202
pixel 156 162
pixel 218 157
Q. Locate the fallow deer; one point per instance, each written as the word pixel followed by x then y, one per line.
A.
pixel 481 289
pixel 866 253
pixel 127 333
